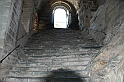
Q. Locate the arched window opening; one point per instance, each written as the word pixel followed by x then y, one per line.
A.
pixel 61 18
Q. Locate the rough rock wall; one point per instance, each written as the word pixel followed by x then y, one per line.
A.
pixel 106 21
pixel 108 65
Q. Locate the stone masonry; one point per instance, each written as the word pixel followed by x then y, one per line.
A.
pixel 10 12
pixel 27 17
pixel 92 55
pixel 10 20
pixel 85 12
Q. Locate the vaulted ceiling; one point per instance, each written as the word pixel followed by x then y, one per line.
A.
pixel 42 2
pixel 75 3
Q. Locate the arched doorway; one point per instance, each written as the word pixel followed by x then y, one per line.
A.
pixel 61 18
pixel 47 17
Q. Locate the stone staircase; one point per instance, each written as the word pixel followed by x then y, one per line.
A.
pixel 55 55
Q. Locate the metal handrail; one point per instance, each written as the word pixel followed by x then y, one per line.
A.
pixel 99 31
pixel 22 36
pixel 9 53
pixel 14 48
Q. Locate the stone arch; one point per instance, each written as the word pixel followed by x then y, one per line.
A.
pixel 61 3
pixel 68 14
pixel 60 17
pixel 49 6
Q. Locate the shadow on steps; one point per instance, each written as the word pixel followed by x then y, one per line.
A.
pixel 63 75
pixel 60 75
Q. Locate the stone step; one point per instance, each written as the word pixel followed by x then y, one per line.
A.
pixel 56 56
pixel 47 68
pixel 59 44
pixel 30 73
pixel 63 34
pixel 42 33
pixel 53 48
pixel 58 41
pixel 46 79
pixel 60 47
pixel 61 31
pixel 54 42
pixel 56 36
pixel 54 64
pixel 50 63
pixel 53 59
pixel 59 53
pixel 47 51
pixel 51 38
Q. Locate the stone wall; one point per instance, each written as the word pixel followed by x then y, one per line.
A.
pixel 5 7
pixel 12 32
pixel 108 65
pixel 28 13
pixel 100 2
pixel 22 36
pixel 10 12
pixel 4 15
pixel 85 12
pixel 98 25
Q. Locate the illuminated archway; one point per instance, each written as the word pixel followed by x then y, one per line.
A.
pixel 51 6
pixel 60 18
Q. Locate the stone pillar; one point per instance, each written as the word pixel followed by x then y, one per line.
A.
pixel 27 17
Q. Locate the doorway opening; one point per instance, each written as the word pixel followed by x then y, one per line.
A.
pixel 61 18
